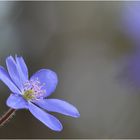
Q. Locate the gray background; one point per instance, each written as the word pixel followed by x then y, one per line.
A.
pixel 83 43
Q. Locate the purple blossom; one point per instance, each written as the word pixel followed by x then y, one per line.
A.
pixel 32 94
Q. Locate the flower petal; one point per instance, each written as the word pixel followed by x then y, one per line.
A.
pixel 131 21
pixel 22 69
pixel 4 76
pixel 16 102
pixel 45 118
pixel 56 105
pixel 13 71
pixel 47 77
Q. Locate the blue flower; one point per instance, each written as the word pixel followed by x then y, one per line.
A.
pixel 32 93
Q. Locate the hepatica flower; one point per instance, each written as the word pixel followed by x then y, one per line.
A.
pixel 32 93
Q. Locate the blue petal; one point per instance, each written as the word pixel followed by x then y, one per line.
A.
pixel 16 101
pixel 4 76
pixel 47 77
pixel 13 71
pixel 45 118
pixel 22 69
pixel 59 106
pixel 131 21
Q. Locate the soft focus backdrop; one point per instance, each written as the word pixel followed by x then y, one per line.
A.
pixel 86 44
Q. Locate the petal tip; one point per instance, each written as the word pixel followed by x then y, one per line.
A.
pixel 77 115
pixel 59 129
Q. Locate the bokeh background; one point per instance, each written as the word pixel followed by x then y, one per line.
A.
pixel 95 54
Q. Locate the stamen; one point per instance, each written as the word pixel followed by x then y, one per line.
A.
pixel 33 90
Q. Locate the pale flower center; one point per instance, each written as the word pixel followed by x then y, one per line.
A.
pixel 33 90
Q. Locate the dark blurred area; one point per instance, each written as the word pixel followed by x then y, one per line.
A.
pixel 84 43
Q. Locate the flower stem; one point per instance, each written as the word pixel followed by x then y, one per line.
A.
pixel 7 116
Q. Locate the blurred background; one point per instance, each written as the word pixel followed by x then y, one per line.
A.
pixel 94 49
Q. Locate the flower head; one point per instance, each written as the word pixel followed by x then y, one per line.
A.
pixel 32 93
